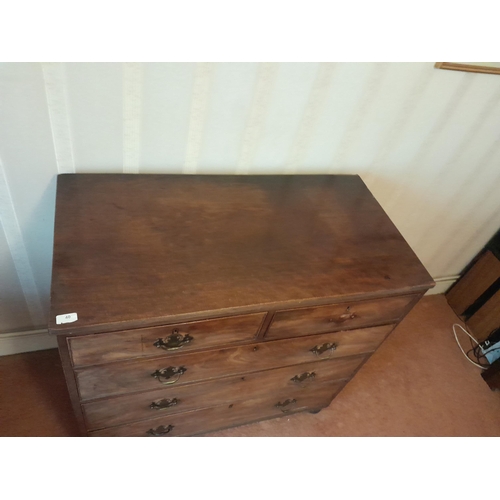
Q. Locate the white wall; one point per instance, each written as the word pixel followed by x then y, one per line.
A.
pixel 426 141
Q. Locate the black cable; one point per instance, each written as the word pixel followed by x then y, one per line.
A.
pixel 478 354
pixel 478 357
pixel 473 350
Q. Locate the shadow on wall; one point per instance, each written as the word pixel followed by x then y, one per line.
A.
pixel 430 223
pixel 39 237
pixel 15 316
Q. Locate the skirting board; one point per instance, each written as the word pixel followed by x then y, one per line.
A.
pixel 442 285
pixel 37 340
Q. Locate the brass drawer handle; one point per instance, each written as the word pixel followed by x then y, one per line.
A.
pixel 168 373
pixel 320 349
pixel 174 341
pixel 163 403
pixel 283 406
pixel 344 317
pixel 303 377
pixel 160 431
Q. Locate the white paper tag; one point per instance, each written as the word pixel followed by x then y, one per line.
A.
pixel 66 318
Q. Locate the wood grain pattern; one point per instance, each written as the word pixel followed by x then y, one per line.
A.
pixel 210 301
pixel 470 68
pixel 239 412
pixel 130 408
pixel 134 376
pixel 133 251
pixel 487 319
pixel 69 375
pixel 343 316
pixel 95 349
pixel 475 282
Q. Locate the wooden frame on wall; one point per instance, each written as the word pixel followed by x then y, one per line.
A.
pixel 494 69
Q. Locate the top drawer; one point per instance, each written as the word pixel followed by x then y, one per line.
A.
pixel 106 347
pixel 331 318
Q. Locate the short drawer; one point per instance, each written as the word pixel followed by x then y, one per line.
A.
pixel 149 374
pixel 330 318
pixel 105 347
pixel 306 377
pixel 228 415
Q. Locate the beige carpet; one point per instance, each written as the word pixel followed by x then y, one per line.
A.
pixel 417 384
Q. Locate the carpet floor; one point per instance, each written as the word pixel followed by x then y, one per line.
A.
pixel 417 384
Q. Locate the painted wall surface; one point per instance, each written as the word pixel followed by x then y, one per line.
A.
pixel 426 142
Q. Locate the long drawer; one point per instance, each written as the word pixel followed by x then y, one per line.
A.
pixel 143 342
pixel 149 374
pixel 240 412
pixel 124 409
pixel 330 318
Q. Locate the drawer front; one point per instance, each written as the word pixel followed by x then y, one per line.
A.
pixel 106 347
pixel 306 377
pixel 149 374
pixel 330 318
pixel 240 412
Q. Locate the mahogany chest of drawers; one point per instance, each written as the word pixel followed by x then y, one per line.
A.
pixel 186 304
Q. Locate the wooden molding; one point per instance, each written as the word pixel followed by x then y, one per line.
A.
pixel 467 67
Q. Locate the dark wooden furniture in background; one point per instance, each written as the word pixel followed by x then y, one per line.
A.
pixel 492 376
pixel 211 301
pixel 475 297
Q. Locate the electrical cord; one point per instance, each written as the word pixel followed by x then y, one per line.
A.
pixel 461 348
pixel 478 355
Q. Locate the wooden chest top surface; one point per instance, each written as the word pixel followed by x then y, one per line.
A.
pixel 140 250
